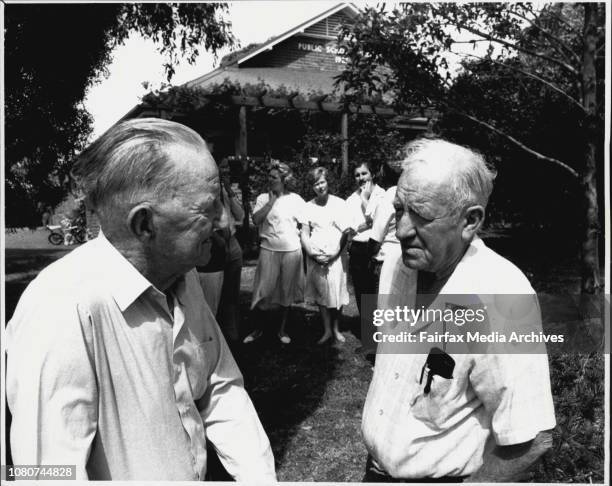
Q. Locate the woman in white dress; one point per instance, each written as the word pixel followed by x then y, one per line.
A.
pixel 323 238
pixel 279 277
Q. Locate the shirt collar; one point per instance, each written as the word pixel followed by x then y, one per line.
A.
pixel 125 282
pixel 456 282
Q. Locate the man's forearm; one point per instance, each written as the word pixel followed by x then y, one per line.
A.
pixel 509 463
pixel 232 424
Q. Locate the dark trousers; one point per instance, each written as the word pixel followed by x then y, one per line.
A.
pixel 362 271
pixel 228 314
pixel 375 475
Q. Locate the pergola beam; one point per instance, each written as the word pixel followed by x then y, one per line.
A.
pixel 414 117
pixel 412 120
pixel 311 105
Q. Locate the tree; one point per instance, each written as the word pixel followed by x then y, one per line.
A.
pixel 53 53
pixel 403 54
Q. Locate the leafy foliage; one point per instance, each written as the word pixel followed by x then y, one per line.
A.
pixel 53 53
pixel 403 55
pixel 302 139
pixel 541 63
pixel 233 56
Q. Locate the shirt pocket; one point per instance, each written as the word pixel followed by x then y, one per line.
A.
pixel 433 408
pixel 200 359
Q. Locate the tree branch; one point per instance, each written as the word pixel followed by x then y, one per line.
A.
pixel 550 36
pixel 503 42
pixel 520 145
pixel 473 41
pixel 531 75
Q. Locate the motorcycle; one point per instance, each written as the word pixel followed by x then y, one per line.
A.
pixel 56 236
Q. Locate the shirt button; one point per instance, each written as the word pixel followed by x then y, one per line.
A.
pixel 380 412
pixel 396 376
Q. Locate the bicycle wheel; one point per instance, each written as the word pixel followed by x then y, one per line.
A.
pixel 56 239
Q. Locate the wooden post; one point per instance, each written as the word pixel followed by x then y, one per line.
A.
pixel 345 145
pixel 241 142
pixel 241 153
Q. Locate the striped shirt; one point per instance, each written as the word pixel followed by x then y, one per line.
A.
pixel 104 374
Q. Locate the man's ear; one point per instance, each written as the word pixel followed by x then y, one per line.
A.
pixel 472 221
pixel 140 222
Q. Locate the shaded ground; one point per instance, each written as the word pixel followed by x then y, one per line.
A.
pixel 310 397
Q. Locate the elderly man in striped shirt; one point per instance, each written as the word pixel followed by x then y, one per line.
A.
pixel 115 363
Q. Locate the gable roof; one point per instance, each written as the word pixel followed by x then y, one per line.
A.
pixel 351 10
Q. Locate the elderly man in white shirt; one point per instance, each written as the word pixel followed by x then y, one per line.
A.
pixel 115 363
pixel 490 419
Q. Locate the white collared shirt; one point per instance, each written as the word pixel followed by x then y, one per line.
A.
pixel 492 398
pixel 358 216
pixel 384 226
pixel 103 375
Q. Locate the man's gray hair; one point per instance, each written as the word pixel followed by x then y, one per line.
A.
pixel 130 160
pixel 472 181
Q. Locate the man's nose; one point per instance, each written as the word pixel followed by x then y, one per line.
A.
pixel 218 222
pixel 405 228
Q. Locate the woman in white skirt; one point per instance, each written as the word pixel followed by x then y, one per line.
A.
pixel 279 277
pixel 323 237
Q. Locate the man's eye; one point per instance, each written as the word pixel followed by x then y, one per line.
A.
pixel 419 215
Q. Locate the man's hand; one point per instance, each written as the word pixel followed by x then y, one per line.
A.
pixel 273 197
pixel 510 463
pixel 227 185
pixel 366 191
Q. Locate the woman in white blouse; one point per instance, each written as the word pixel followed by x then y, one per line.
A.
pixel 279 277
pixel 323 239
pixel 361 206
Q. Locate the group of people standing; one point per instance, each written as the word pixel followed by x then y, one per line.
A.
pixel 320 231
pixel 116 366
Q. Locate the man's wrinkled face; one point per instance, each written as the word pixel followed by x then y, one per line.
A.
pixel 428 231
pixel 185 220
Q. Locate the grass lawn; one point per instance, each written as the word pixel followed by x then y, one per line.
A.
pixel 310 400
pixel 310 397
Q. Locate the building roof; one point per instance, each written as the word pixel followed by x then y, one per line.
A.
pixel 308 79
pixel 349 9
pixel 302 81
